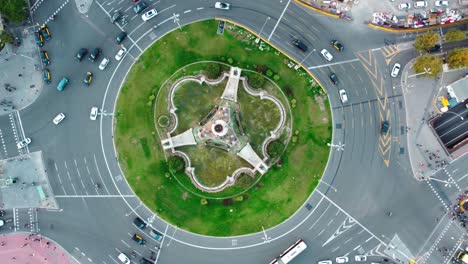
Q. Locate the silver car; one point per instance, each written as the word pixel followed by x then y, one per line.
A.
pixel 23 143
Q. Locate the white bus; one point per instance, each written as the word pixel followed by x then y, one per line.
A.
pixel 289 254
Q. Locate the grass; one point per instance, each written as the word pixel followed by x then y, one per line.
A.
pixel 276 196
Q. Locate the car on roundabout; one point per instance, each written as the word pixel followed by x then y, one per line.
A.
pixel 88 78
pixel 395 70
pixel 104 63
pixel 81 53
pixel 94 55
pixel 337 45
pixel 327 55
pixel 23 143
pixel 333 78
pixel 343 96
pixel 149 14
pixel 121 53
pixel 58 118
pixel 46 76
pixel 222 6
pixel 94 113
pixel 120 37
pixel 62 84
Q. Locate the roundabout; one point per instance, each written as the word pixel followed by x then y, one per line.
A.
pixel 336 199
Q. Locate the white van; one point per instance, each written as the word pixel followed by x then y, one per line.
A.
pixel 420 4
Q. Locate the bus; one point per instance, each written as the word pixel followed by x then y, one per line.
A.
pixel 289 254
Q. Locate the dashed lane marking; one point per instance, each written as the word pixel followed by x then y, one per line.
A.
pixel 437 195
pixel 451 178
pixel 279 20
pixel 3 144
pixel 332 64
pixel 434 246
pixel 56 12
pixel 187 11
pixel 94 196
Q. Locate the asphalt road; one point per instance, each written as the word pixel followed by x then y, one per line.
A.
pixel 348 213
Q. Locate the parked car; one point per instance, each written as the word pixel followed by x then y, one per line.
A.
pixel 46 76
pixel 45 57
pixel 342 259
pixel 88 78
pixel 384 127
pixel 333 78
pixel 23 143
pixel 140 240
pixel 104 63
pixel 39 38
pixel 360 258
pixel 436 48
pixel 327 55
pixel 404 6
pixel 420 4
pixel 337 45
pixel 144 260
pixel 115 16
pixel 300 45
pixel 142 5
pixel 94 55
pixel 45 31
pixel 94 113
pixel 81 53
pixel 223 6
pixel 139 223
pixel 58 118
pixel 121 53
pixel 395 70
pixel 149 15
pixel 441 3
pixel 343 96
pixel 156 235
pixel 123 258
pixel 62 84
pixel 120 37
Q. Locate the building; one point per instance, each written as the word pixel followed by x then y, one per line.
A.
pixel 459 89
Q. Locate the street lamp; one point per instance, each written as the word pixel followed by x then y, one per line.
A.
pixel 426 71
pixel 339 146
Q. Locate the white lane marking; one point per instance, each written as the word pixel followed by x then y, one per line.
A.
pixel 99 173
pixel 200 8
pixel 463 177
pixel 141 24
pixel 167 8
pixel 128 8
pixel 3 144
pixel 61 184
pixel 319 216
pixel 94 196
pixel 125 243
pixel 279 19
pixel 187 11
pixel 331 64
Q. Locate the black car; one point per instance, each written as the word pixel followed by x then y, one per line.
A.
pixel 39 38
pixel 45 57
pixel 139 223
pixel 81 53
pixel 436 48
pixel 120 37
pixel 333 78
pixel 337 45
pixel 300 45
pixel 94 55
pixel 142 5
pixel 384 127
pixel 140 240
pixel 46 76
pixel 116 16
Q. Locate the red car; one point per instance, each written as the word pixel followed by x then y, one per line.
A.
pixel 134 1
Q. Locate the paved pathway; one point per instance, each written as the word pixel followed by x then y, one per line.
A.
pixel 24 248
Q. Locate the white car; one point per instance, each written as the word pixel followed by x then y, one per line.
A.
pixel 104 63
pixel 149 15
pixel 404 6
pixel 94 113
pixel 395 70
pixel 360 258
pixel 327 55
pixel 343 96
pixel 121 53
pixel 123 258
pixel 23 143
pixel 420 4
pixel 441 3
pixel 223 6
pixel 342 259
pixel 58 118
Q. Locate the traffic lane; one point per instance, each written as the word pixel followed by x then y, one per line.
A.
pixel 455 135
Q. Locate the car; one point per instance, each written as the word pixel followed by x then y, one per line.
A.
pixel 120 37
pixel 94 113
pixel 94 55
pixel 46 76
pixel 436 48
pixel 123 258
pixel 325 262
pixel 337 45
pixel 420 4
pixel 139 223
pixel 343 96
pixel 88 78
pixel 45 31
pixel 223 6
pixel 121 53
pixel 327 55
pixel 156 235
pixel 58 118
pixel 342 259
pixel 115 17
pixel 2 223
pixel 104 63
pixel 140 240
pixel 149 15
pixel 142 5
pixel 300 45
pixel 360 258
pixel 333 78
pixel 45 57
pixel 395 70
pixel 404 6
pixel 441 3
pixel 81 53
pixel 23 143
pixel 384 127
pixel 39 38
pixel 144 260
pixel 62 84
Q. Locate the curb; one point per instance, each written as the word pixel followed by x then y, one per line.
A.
pixel 280 50
pixel 410 30
pixel 317 9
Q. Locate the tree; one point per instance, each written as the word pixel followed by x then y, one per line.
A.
pixel 426 41
pixel 175 164
pixel 275 148
pixel 6 37
pixel 458 58
pixel 454 35
pixel 429 63
pixel 13 10
pixel 203 201
pixel 256 80
pixel 213 70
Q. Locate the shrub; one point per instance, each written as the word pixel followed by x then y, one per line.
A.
pixel 458 58
pixel 426 41
pixel 175 164
pixel 276 77
pixel 454 35
pixel 239 198
pixel 230 61
pixel 269 73
pixel 256 80
pixel 203 201
pixel 213 70
pixel 275 148
pixel 6 37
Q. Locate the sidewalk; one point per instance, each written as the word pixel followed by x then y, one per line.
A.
pixel 24 248
pixel 20 83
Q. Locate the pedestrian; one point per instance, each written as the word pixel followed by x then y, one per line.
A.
pixel 20 75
